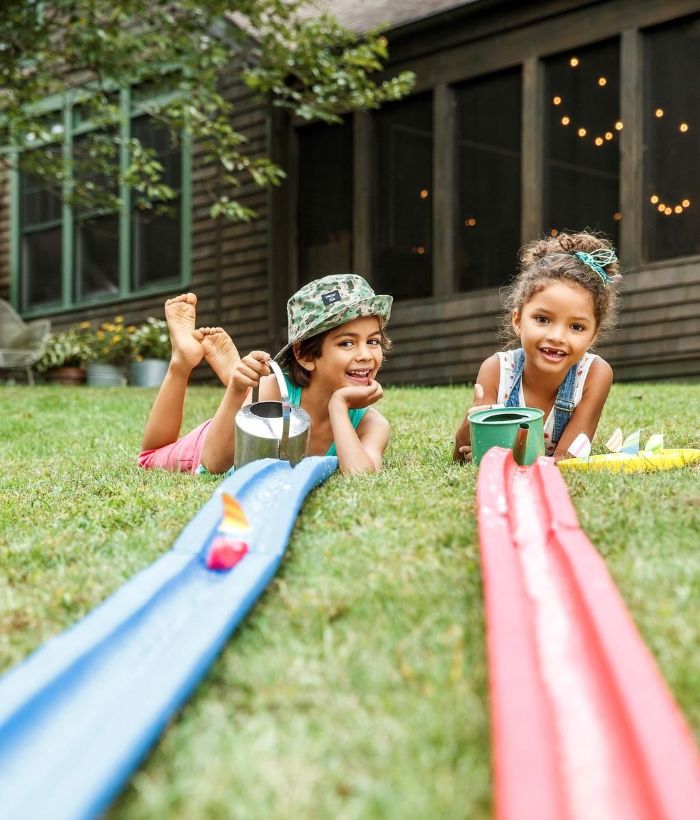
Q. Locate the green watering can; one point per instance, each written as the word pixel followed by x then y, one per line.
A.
pixel 518 428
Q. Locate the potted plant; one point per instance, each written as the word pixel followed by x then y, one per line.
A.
pixel 150 353
pixel 109 354
pixel 66 354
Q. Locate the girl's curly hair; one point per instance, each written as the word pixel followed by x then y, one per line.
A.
pixel 551 259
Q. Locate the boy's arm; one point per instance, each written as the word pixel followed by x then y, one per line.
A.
pixel 587 412
pixel 361 450
pixel 218 450
pixel 485 395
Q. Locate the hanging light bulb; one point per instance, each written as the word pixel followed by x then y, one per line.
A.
pixel 608 135
pixel 654 199
pixel 556 100
pixel 668 211
pixel 683 127
pixel 565 120
pixel 573 62
pixel 686 203
pixel 582 132
pixel 617 216
pixel 599 141
pixel 618 125
pixel 424 193
pixel 659 112
pixel 554 232
pixel 678 209
pixel 661 207
pixel 602 81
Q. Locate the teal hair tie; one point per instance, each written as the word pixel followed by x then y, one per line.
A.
pixel 597 261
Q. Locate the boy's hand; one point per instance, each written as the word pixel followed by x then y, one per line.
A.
pixel 356 397
pixel 249 370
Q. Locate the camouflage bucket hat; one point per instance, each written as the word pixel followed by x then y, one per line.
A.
pixel 326 303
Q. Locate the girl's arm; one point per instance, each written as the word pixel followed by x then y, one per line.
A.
pixel 586 415
pixel 361 450
pixel 485 395
pixel 218 450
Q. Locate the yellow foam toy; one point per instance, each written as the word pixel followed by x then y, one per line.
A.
pixel 642 462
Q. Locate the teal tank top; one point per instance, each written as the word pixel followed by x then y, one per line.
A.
pixel 294 391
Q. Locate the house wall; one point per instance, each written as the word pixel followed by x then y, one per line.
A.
pixel 446 337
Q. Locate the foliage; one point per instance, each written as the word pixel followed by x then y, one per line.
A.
pixel 285 50
pixel 356 687
pixel 150 340
pixel 70 348
pixel 110 342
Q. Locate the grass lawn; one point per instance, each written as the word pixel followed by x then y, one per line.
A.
pixel 357 685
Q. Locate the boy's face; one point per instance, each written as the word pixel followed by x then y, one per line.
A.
pixel 351 354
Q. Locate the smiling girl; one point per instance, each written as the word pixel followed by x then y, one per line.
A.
pixel 335 349
pixel 558 306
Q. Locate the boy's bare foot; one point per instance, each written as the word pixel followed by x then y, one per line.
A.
pixel 180 314
pixel 219 351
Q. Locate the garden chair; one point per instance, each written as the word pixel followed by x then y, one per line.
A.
pixel 21 343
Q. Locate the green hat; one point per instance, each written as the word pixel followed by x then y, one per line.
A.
pixel 326 303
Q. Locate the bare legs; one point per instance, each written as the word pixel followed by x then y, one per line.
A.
pixel 189 346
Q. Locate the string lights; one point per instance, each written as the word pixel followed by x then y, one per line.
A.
pixel 608 136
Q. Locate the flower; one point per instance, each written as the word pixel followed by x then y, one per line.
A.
pixel 69 348
pixel 151 340
pixel 110 343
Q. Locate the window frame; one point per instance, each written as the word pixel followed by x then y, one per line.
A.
pixel 128 110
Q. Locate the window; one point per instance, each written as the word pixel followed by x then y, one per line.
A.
pixel 672 141
pixel 155 247
pixel 40 242
pixel 404 180
pixel 325 200
pixel 582 137
pixel 68 255
pixel 488 214
pixel 95 233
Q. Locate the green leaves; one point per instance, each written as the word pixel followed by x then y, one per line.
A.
pixel 177 57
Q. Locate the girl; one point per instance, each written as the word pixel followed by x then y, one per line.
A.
pixel 335 349
pixel 561 302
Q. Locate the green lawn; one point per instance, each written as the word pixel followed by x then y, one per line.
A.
pixel 357 686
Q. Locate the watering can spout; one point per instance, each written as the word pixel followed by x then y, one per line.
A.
pixel 520 443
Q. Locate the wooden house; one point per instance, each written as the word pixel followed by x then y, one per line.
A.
pixel 526 118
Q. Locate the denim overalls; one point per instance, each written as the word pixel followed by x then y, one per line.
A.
pixel 564 402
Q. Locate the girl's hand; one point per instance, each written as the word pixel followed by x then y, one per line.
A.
pixel 249 370
pixel 360 396
pixel 464 452
pixel 478 398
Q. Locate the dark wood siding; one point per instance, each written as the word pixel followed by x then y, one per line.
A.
pixel 445 339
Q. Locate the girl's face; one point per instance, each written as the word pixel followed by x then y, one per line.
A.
pixel 556 327
pixel 351 354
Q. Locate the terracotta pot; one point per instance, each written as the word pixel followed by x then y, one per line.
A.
pixel 65 375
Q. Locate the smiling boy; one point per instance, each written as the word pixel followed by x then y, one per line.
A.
pixel 335 349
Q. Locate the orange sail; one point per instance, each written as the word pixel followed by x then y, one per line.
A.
pixel 234 519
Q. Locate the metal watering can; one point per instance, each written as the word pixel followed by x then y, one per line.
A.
pixel 518 428
pixel 271 429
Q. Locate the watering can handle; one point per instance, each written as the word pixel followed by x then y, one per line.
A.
pixel 286 408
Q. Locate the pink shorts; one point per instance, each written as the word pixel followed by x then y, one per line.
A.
pixel 184 455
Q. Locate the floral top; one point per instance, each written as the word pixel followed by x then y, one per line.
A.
pixel 506 360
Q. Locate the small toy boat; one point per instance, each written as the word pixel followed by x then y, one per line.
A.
pixel 642 462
